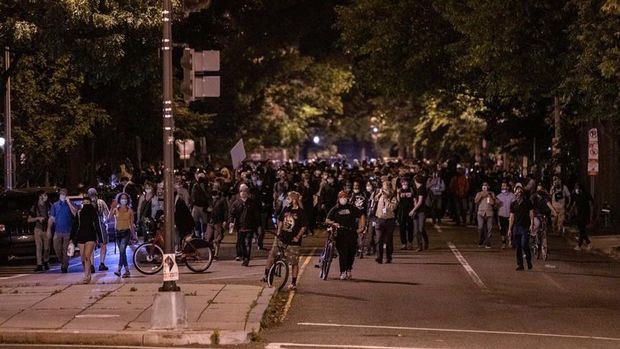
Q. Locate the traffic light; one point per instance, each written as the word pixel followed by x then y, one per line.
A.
pixel 197 81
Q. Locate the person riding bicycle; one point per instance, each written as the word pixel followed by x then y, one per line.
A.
pixel 541 201
pixel 292 224
pixel 349 222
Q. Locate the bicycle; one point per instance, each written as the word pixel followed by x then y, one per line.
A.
pixel 148 258
pixel 278 273
pixel 538 243
pixel 325 260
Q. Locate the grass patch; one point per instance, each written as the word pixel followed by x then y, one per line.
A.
pixel 133 289
pixel 215 337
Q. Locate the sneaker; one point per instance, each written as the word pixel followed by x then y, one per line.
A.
pixel 480 245
pixel 292 287
pixel 126 274
pixel 577 248
pixel 529 266
pixel 419 249
pixel 38 268
pixel 378 260
pixel 519 268
pixel 64 270
pixel 389 261
pixel 403 247
pixel 86 280
pixel 238 259
pixel 343 276
pixel 46 266
pixel 503 246
pixel 102 267
pixel 117 273
pixel 487 246
pixel 92 269
pixel 589 246
pixel 246 263
pixel 349 275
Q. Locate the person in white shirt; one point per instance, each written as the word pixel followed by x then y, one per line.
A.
pixel 560 200
pixel 485 201
pixel 504 201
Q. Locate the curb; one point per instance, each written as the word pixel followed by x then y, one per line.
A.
pixel 255 316
pixel 129 338
pixel 571 237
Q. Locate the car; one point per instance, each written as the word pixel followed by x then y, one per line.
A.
pixel 16 234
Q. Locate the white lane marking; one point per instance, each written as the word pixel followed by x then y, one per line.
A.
pixel 472 273
pixel 97 316
pixel 12 276
pixel 553 282
pixel 299 345
pixel 291 294
pixel 454 330
pixel 82 346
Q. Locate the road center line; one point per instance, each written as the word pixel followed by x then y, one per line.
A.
pixel 454 330
pixel 298 345
pixel 291 294
pixel 12 276
pixel 467 267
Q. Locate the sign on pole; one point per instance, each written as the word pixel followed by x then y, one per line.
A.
pixel 171 268
pixel 185 148
pixel 593 152
pixel 237 154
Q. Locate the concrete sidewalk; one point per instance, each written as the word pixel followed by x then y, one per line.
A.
pixel 606 245
pixel 119 314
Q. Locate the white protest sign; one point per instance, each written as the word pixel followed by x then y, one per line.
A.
pixel 171 269
pixel 237 154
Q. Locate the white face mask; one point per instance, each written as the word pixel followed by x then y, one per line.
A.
pixel 123 201
pixel 369 189
pixel 405 186
pixel 485 188
pixel 504 190
pixel 62 198
pixel 148 190
pixel 356 191
pixel 342 201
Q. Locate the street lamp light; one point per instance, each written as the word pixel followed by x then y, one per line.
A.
pixel 375 129
pixel 2 142
pixel 316 139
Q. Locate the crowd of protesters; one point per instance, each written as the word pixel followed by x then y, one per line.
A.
pixel 366 201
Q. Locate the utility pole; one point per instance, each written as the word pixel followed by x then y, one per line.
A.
pixel 8 139
pixel 169 310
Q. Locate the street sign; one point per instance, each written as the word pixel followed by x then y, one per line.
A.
pixel 592 167
pixel 593 152
pixel 185 148
pixel 171 268
pixel 237 153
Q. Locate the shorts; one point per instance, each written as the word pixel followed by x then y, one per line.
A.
pixel 292 253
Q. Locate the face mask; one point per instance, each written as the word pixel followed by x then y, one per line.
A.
pixel 577 191
pixel 342 201
pixel 148 190
pixel 62 198
pixel 259 183
pixel 485 188
pixel 123 201
pixel 369 189
pixel 44 198
pixel 330 180
pixel 356 190
pixel 504 190
pixel 405 186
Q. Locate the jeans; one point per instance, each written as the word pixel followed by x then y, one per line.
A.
pixel 215 236
pixel 244 239
pixel 436 207
pixel 366 242
pixel 460 210
pixel 420 232
pixel 485 225
pixel 385 235
pixel 265 218
pixel 42 241
pixel 521 240
pixel 406 228
pixel 503 227
pixel 122 240
pixel 61 243
pixel 583 231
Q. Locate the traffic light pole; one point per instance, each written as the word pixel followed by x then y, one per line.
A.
pixel 168 137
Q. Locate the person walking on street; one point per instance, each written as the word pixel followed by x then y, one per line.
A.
pixel 561 200
pixel 385 213
pixel 125 230
pixel 39 215
pixel 102 213
pixel 459 187
pixel 349 222
pixel 245 217
pixel 436 186
pixel 200 201
pixel 418 213
pixel 405 222
pixel 87 233
pixel 521 223
pixel 218 215
pixel 485 200
pixel 583 207
pixel 504 201
pixel 292 225
pixel 61 218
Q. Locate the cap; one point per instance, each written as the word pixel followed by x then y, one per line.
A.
pixel 91 192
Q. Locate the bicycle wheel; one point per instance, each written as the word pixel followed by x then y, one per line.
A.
pixel 148 258
pixel 198 255
pixel 278 274
pixel 327 261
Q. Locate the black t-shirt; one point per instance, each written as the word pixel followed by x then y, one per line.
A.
pixel 405 200
pixel 421 191
pixel 521 210
pixel 359 200
pixel 540 201
pixel 293 219
pixel 345 215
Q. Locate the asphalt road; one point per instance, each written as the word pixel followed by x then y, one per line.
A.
pixel 459 297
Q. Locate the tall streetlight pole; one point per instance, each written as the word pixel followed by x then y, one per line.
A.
pixel 8 139
pixel 168 136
